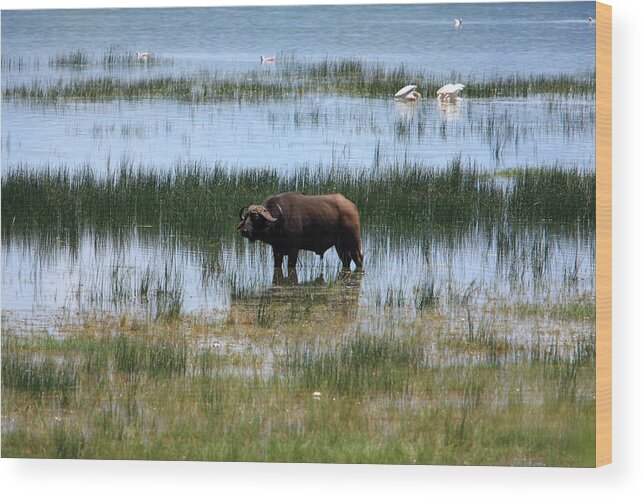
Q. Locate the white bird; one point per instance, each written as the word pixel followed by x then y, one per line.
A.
pixel 269 60
pixel 408 93
pixel 143 56
pixel 591 20
pixel 450 92
pixel 458 23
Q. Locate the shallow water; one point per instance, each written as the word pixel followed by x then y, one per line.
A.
pixel 144 273
pixel 341 131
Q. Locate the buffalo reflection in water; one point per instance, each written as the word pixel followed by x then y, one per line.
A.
pixel 289 301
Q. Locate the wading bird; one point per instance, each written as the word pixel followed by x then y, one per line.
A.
pixel 458 23
pixel 268 60
pixel 408 94
pixel 143 56
pixel 450 92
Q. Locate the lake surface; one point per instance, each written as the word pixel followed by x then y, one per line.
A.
pixel 495 40
pixel 318 130
pixel 502 38
pixel 105 273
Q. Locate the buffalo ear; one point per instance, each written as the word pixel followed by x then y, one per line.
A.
pixel 242 212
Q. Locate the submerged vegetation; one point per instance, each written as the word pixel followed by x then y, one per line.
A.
pixel 291 79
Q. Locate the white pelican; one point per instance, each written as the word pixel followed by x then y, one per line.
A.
pixel 143 56
pixel 591 20
pixel 408 94
pixel 458 23
pixel 450 92
pixel 269 60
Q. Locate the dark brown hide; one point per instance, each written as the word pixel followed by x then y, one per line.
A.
pixel 292 221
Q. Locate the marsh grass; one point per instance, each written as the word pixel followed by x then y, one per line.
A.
pixel 427 295
pixel 117 56
pixel 20 63
pixel 203 200
pixel 39 376
pixel 67 443
pixel 114 57
pixel 290 80
pixel 550 196
pixel 357 364
pixel 158 291
pixel 384 399
pixel 76 59
pixel 584 309
pixel 155 358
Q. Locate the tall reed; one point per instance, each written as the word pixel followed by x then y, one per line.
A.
pixel 204 200
pixel 290 80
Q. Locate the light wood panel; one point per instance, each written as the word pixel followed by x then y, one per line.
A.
pixel 603 234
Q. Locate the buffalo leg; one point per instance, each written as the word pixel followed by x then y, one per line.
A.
pixel 344 256
pixel 358 257
pixel 279 258
pixel 292 257
pixel 352 245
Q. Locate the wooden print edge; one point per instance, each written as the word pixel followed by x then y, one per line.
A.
pixel 603 234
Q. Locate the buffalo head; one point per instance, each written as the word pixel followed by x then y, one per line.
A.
pixel 256 221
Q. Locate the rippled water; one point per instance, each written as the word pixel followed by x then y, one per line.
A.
pixel 502 38
pixel 144 273
pixel 317 130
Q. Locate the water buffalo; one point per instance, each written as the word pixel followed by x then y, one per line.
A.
pixel 294 221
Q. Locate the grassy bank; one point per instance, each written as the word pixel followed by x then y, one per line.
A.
pixel 430 394
pixel 288 80
pixel 204 200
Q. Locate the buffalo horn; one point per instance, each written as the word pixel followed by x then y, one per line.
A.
pixel 265 213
